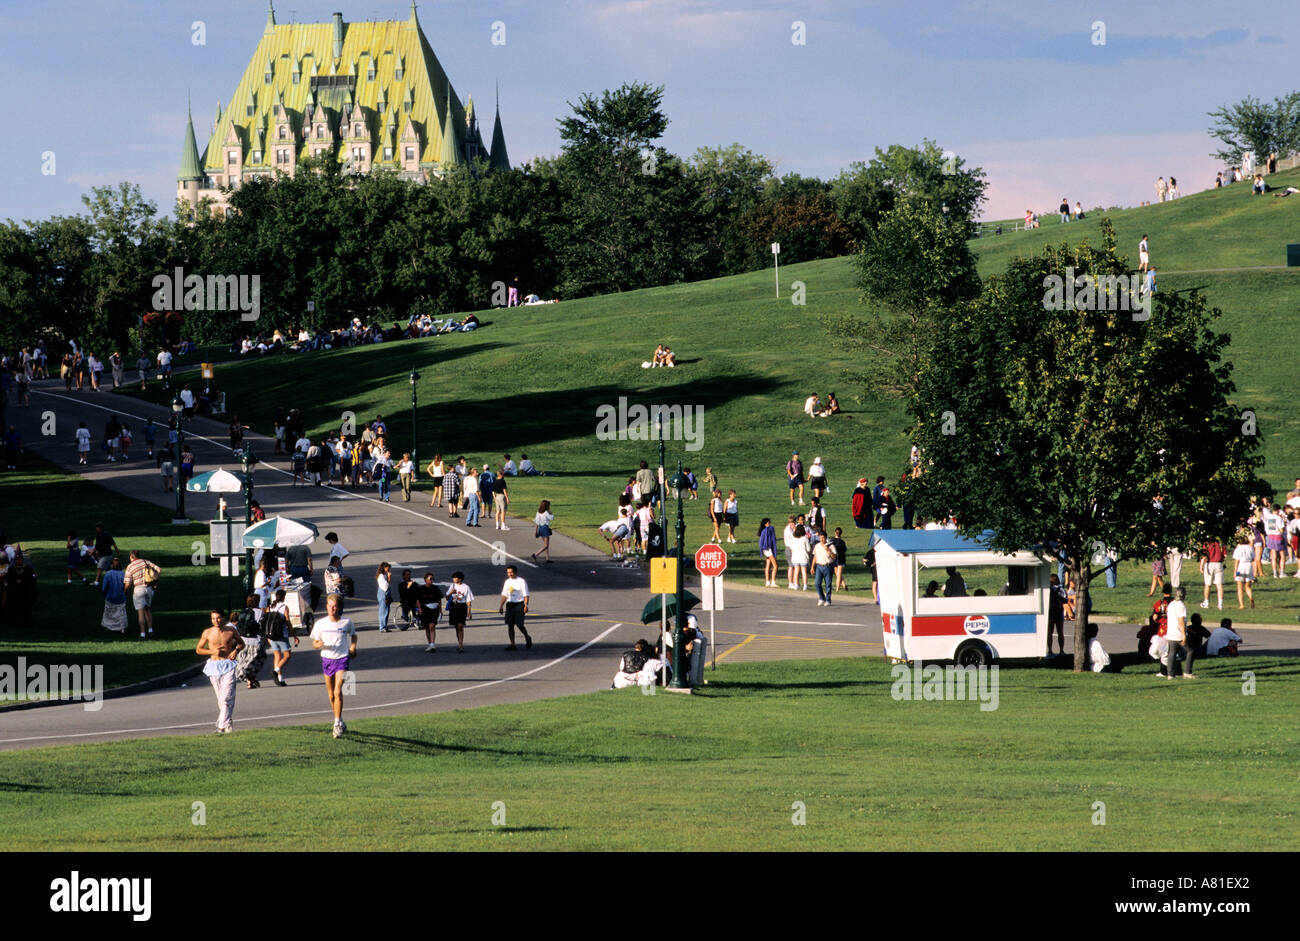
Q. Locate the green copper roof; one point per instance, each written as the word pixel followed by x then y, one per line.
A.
pixel 190 167
pixel 307 51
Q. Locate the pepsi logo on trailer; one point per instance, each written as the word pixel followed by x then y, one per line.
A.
pixel 976 625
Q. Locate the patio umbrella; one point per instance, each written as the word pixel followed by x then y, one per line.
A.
pixel 652 611
pixel 280 531
pixel 217 481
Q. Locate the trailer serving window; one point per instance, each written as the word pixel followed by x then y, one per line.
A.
pixel 943 588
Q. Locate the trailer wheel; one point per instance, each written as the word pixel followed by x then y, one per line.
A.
pixel 973 653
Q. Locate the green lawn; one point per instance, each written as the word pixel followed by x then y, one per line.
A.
pixel 42 503
pixel 1179 765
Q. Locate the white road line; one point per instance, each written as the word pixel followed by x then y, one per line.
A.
pixel 342 494
pixel 815 623
pixel 294 715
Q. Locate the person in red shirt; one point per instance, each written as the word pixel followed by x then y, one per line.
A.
pixel 1212 556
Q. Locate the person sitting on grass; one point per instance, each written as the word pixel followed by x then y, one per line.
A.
pixel 1223 640
pixel 638 666
pixel 1097 659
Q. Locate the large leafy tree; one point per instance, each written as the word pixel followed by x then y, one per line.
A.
pixel 797 212
pixel 911 268
pixel 628 217
pixel 866 192
pixel 729 182
pixel 1254 125
pixel 1076 428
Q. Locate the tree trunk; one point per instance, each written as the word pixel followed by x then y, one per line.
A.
pixel 1083 607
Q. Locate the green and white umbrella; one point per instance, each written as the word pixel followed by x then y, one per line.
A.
pixel 217 481
pixel 280 531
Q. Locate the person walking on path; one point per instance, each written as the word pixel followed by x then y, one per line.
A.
pixel 500 500
pixel 460 607
pixel 451 490
pixel 800 553
pixel 514 605
pixel 817 477
pixel 767 549
pixel 336 639
pixel 841 550
pixel 429 598
pixel 1144 254
pixel 141 580
pixel 278 635
pixel 543 521
pixel 221 643
pixel 83 444
pixel 406 473
pixel 731 515
pixel 383 593
pixel 436 470
pixel 251 658
pixel 471 485
pixel 823 566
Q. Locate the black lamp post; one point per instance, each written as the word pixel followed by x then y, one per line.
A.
pixel 679 680
pixel 177 408
pixel 249 460
pixel 415 458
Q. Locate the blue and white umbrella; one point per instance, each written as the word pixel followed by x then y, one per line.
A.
pixel 217 481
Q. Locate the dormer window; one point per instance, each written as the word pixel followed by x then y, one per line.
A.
pixel 410 153
pixel 283 132
pixel 275 110
pixel 320 131
pixel 388 153
pixel 357 130
pixel 232 157
pixel 257 156
pixel 401 69
pixel 370 71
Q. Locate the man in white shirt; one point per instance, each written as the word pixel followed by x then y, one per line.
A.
pixel 1223 640
pixel 336 639
pixel 526 467
pixel 514 604
pixel 165 364
pixel 187 400
pixel 508 469
pixel 1176 636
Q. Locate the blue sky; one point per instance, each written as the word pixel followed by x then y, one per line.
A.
pixel 1015 86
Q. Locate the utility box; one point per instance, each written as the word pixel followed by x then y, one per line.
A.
pixel 1293 255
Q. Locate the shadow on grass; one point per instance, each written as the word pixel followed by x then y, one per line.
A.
pixel 418 747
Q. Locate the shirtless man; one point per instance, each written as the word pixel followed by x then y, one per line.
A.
pixel 222 643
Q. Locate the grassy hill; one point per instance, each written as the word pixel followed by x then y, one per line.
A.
pixel 533 378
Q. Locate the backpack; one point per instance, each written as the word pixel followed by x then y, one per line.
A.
pixel 275 624
pixel 634 660
pixel 247 625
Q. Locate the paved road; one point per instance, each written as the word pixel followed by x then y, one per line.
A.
pixel 584 613
pixel 584 610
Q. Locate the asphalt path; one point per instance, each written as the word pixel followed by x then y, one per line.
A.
pixel 584 609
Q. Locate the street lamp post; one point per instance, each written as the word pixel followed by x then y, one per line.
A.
pixel 415 458
pixel 249 460
pixel 679 680
pixel 177 408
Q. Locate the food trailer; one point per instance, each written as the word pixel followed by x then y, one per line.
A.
pixel 949 597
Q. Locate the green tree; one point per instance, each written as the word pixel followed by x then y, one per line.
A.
pixel 911 269
pixel 1252 125
pixel 627 216
pixel 866 192
pixel 1078 428
pixel 729 182
pixel 797 212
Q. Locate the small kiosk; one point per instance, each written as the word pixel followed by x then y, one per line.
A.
pixel 947 597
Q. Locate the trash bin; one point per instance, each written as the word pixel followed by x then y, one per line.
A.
pixel 1293 255
pixel 699 654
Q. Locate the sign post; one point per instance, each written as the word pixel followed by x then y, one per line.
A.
pixel 663 582
pixel 711 562
pixel 776 260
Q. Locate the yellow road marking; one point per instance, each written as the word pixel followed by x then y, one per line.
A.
pixel 731 650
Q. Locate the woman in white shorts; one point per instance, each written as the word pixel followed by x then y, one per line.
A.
pixel 1243 558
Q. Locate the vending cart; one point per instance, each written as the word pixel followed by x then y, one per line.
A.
pixel 949 597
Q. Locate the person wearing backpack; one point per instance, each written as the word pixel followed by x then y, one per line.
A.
pixel 276 624
pixel 253 654
pixel 637 666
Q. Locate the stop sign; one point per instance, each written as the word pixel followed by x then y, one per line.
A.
pixel 710 560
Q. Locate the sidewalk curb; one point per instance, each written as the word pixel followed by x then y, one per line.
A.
pixel 158 682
